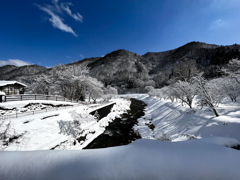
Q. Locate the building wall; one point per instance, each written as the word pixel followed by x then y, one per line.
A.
pixel 12 89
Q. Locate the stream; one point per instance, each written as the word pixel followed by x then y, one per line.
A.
pixel 103 112
pixel 120 131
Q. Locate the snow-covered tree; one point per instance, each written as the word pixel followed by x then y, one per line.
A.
pixel 42 85
pixel 95 89
pixel 150 90
pixel 109 93
pixel 71 81
pixel 168 92
pixel 216 90
pixel 232 88
pixel 154 92
pixel 205 92
pixel 233 69
pixel 185 70
pixel 185 91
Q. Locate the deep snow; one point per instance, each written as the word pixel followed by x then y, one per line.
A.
pixel 143 159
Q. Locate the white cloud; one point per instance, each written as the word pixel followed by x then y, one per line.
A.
pixel 81 56
pixel 57 21
pixel 77 17
pixel 68 57
pixel 219 23
pixel 15 62
pixel 55 11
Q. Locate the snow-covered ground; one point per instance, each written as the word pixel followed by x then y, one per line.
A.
pixel 208 157
pixel 59 129
pixel 177 121
pixel 21 108
pixel 143 159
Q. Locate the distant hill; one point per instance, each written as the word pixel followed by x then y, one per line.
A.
pixel 117 64
pixel 23 74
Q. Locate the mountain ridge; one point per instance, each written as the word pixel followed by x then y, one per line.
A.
pixel 123 63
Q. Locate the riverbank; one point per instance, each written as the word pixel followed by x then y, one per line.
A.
pixel 72 128
pixel 181 123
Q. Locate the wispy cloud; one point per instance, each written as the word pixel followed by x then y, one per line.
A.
pixel 77 16
pixel 68 57
pixel 57 21
pixel 15 62
pixel 81 56
pixel 55 11
pixel 219 23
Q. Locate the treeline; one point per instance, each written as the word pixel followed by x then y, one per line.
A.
pixel 187 82
pixel 223 55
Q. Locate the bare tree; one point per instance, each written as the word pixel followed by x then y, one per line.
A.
pixel 233 69
pixel 185 91
pixel 169 93
pixel 95 89
pixel 204 92
pixel 71 81
pixel 184 70
pixel 42 85
pixel 232 88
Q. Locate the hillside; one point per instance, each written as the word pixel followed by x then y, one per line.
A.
pixel 22 74
pixel 120 67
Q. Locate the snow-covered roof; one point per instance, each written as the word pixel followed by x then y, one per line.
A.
pixel 4 83
pixel 2 93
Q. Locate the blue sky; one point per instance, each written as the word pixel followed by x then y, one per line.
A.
pixel 49 32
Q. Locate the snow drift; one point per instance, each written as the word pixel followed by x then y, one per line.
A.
pixel 143 159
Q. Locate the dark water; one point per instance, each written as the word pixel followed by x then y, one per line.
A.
pixel 236 147
pixel 103 112
pixel 120 131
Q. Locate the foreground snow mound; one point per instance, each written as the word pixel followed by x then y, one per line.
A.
pixel 143 159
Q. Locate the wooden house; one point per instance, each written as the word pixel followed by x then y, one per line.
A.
pixel 2 97
pixel 12 87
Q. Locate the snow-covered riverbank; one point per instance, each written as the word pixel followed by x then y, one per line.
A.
pixel 177 121
pixel 47 130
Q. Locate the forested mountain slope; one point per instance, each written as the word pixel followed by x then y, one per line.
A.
pixel 121 68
